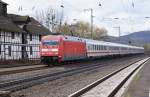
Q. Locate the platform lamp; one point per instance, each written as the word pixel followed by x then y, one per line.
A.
pixel 119 28
pixel 147 18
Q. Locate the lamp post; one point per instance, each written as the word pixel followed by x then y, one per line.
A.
pixel 119 31
pixel 119 28
pixel 61 18
pixel 147 18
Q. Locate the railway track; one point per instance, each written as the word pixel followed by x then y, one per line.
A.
pixel 108 86
pixel 21 69
pixel 19 84
pixel 28 82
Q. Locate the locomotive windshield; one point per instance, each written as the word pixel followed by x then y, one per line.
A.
pixel 50 42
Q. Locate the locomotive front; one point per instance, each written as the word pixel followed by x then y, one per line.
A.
pixel 50 49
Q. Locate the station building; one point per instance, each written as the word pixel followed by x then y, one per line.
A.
pixel 20 37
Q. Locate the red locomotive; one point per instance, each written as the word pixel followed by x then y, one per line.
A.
pixel 62 48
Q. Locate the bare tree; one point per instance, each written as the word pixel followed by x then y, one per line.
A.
pixel 49 18
pixel 39 15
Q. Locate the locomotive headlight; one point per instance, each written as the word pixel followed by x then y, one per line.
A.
pixel 45 50
pixel 54 50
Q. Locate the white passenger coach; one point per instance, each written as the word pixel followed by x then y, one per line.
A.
pixel 100 48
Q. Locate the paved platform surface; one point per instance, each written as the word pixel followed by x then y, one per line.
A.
pixel 140 86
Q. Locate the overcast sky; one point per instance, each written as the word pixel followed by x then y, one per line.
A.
pixel 131 13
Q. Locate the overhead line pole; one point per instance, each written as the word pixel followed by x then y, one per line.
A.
pixel 61 18
pixel 91 10
pixel 92 23
pixel 119 31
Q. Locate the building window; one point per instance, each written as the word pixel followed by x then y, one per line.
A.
pixel 0 35
pixel 30 37
pixel 4 6
pixel 9 50
pixel 40 37
pixel 31 50
pixel 12 35
pixel 0 50
pixel 18 34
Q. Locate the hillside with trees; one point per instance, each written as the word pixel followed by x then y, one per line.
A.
pixel 81 29
pixel 141 38
pixel 147 47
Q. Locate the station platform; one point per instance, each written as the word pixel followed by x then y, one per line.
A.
pixel 140 86
pixel 2 70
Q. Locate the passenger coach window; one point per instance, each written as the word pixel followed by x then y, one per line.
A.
pixel 101 47
pixel 104 47
pixel 88 47
pixel 93 47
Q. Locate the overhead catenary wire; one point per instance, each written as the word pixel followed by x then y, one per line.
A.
pixel 33 7
pixel 75 8
pixel 130 21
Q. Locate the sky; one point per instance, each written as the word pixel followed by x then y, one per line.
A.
pixel 130 14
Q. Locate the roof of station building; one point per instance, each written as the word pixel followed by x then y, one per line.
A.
pixel 22 24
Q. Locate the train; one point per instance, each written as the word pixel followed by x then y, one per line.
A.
pixel 62 48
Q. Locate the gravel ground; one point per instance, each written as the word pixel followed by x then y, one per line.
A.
pixel 64 86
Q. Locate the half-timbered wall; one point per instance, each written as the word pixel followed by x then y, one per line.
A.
pixel 33 48
pixel 11 46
